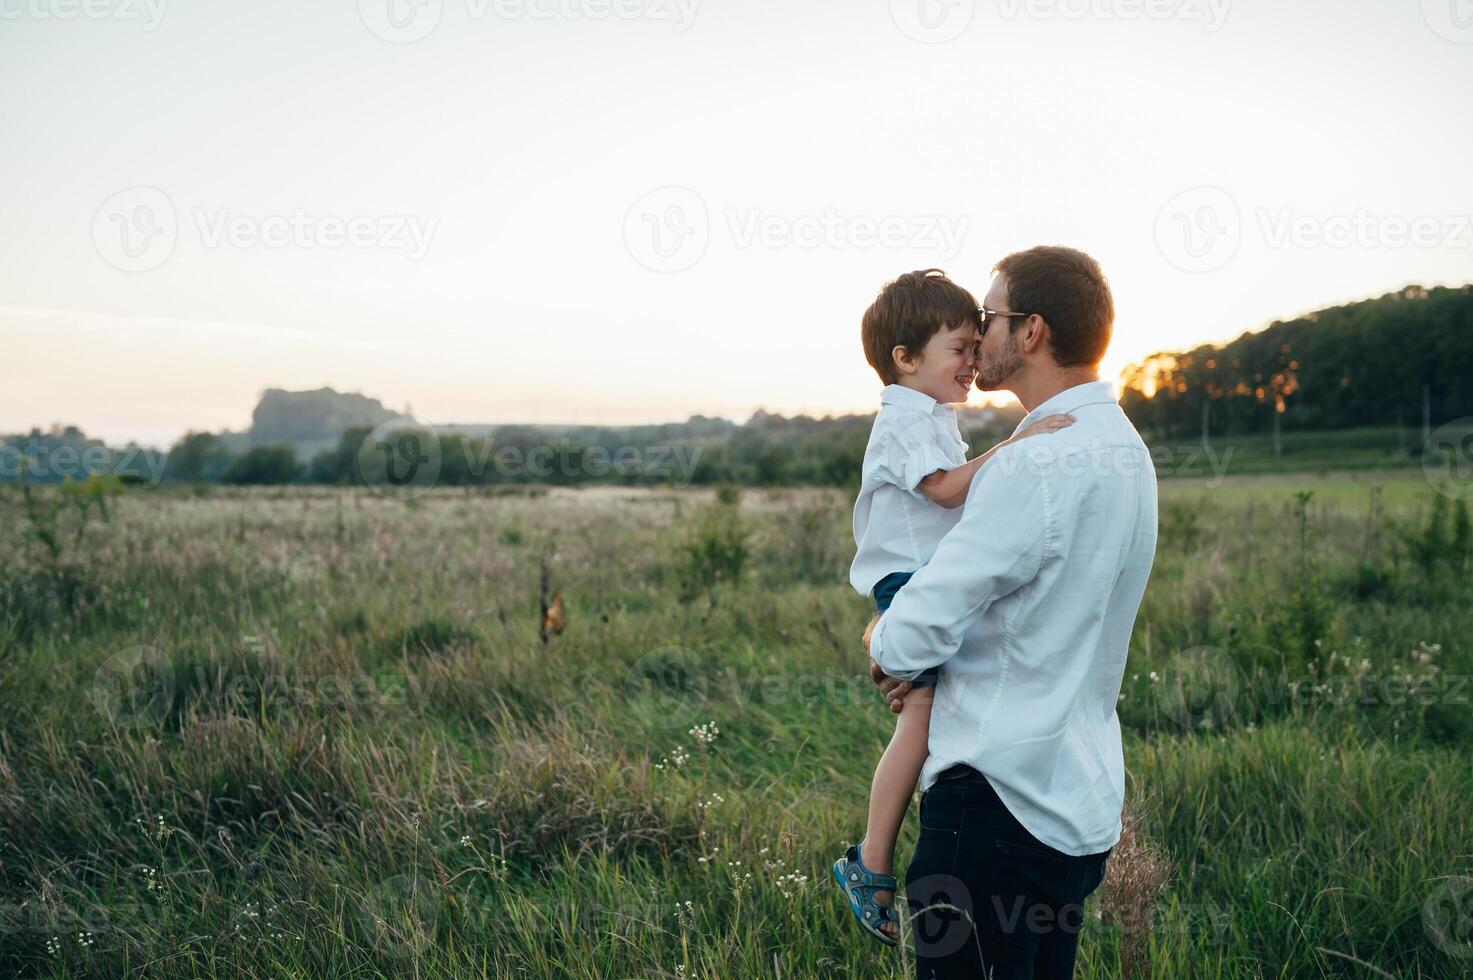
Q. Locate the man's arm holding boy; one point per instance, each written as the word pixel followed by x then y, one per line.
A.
pixel 996 547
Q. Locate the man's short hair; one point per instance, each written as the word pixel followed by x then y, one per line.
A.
pixel 1067 289
pixel 908 313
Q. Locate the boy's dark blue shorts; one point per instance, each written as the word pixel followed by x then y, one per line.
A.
pixel 885 590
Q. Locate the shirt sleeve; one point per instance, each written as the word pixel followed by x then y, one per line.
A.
pixel 914 453
pixel 997 546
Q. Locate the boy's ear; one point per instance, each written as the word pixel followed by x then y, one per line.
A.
pixel 904 362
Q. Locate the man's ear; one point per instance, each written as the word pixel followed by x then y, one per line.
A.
pixel 904 362
pixel 1035 334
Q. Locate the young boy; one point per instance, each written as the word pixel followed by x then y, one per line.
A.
pixel 920 335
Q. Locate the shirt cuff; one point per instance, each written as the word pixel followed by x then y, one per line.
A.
pixel 876 646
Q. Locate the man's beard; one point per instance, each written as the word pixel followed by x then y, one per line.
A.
pixel 996 366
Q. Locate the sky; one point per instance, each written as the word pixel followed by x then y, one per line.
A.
pixel 623 211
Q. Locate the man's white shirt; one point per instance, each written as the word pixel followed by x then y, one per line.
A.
pixel 1029 602
pixel 896 526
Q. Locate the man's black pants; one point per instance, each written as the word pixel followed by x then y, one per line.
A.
pixel 1025 898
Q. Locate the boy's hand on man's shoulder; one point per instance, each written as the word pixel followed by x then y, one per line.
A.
pixel 1051 423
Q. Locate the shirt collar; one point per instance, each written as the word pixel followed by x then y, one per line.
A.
pixel 903 397
pixel 1089 393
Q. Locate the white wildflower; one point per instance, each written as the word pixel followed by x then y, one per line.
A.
pixel 791 885
pixel 705 734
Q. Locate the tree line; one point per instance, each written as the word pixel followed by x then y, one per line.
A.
pixel 1381 362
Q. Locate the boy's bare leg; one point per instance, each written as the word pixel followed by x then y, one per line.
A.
pixel 893 785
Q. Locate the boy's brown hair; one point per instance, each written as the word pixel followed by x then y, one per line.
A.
pixel 908 313
pixel 1068 289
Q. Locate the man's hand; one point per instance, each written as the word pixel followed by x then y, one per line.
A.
pixel 892 689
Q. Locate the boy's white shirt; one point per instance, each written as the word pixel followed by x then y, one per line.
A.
pixel 896 526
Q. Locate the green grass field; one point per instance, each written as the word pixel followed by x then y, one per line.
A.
pixel 1341 452
pixel 314 733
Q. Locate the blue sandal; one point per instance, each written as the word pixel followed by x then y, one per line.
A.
pixel 859 885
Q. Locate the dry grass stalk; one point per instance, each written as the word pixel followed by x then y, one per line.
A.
pixel 1138 873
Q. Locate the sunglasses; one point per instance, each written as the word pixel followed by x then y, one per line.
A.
pixel 985 315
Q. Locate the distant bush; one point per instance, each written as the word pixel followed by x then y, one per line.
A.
pixel 198 456
pixel 1445 541
pixel 811 545
pixel 1303 619
pixel 716 549
pixel 263 466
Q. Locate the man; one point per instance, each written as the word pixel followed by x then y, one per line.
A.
pixel 1029 601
